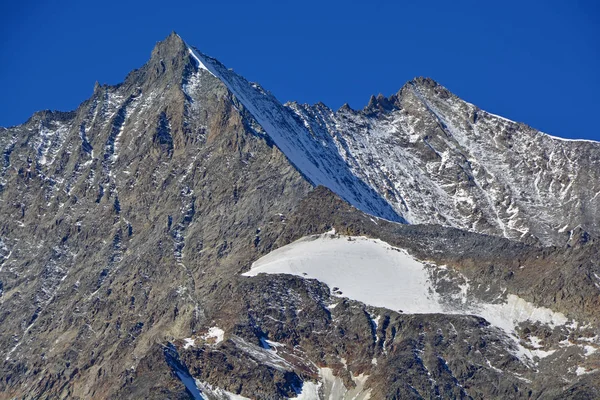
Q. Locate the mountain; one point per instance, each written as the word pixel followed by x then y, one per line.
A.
pixel 185 235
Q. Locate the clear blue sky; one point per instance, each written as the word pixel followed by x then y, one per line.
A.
pixel 536 62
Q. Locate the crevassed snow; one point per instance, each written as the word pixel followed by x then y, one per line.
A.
pixel 318 160
pixel 378 274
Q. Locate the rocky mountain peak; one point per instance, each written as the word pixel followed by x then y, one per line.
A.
pixel 423 81
pixel 171 47
pixel 346 108
pixel 169 64
pixel 429 87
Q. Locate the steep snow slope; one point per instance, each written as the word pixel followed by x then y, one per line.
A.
pixel 316 158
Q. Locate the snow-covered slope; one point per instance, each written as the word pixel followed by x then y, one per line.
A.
pixel 375 273
pixel 316 158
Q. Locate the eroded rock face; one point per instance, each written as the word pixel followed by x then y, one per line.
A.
pixel 127 223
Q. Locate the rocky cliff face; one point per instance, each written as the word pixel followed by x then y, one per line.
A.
pixel 127 224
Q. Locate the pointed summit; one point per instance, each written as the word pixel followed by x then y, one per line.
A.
pixel 169 61
pixel 346 108
pixel 428 85
pixel 172 46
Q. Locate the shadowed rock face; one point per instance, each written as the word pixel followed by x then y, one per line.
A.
pixel 126 225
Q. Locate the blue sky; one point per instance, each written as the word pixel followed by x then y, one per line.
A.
pixel 536 62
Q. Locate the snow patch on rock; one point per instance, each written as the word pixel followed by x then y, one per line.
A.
pixel 309 391
pixel 189 342
pixel 215 334
pixel 367 270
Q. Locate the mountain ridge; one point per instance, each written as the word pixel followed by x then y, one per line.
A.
pixel 370 187
pixel 420 77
